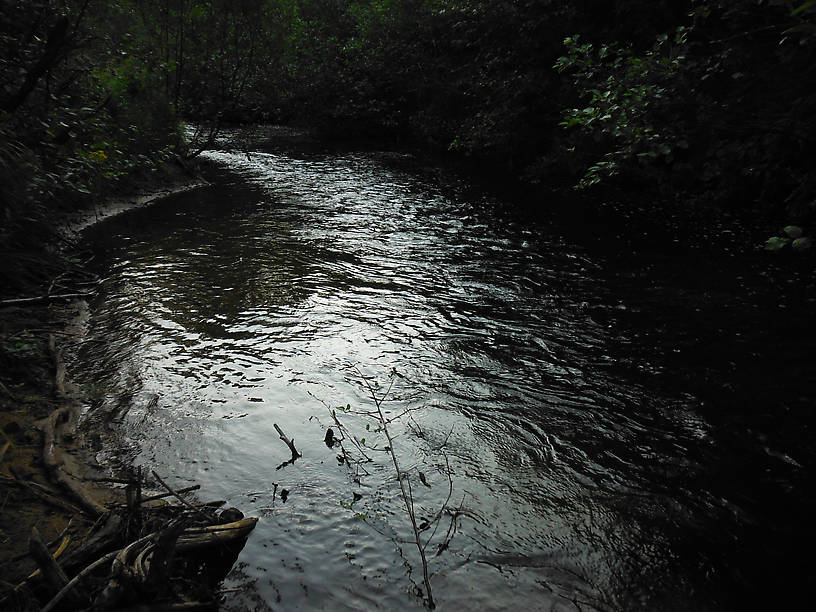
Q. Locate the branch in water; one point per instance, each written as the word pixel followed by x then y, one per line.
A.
pixel 290 444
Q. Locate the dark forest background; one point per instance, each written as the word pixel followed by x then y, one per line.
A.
pixel 697 105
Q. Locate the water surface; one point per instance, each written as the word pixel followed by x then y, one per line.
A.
pixel 596 416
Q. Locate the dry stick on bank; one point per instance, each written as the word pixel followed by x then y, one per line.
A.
pixel 50 569
pixel 31 301
pixel 195 487
pixel 177 496
pixel 49 497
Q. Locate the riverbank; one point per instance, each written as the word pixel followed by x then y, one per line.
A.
pixel 49 480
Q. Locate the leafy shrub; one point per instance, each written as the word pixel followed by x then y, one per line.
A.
pixel 623 97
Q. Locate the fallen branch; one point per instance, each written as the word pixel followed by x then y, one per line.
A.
pixel 152 566
pixel 62 538
pixel 43 298
pixel 46 497
pixel 121 573
pixel 63 545
pixel 103 539
pixel 62 535
pixel 185 606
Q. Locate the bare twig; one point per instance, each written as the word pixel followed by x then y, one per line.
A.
pixel 62 535
pixel 163 495
pixel 407 496
pixel 444 506
pixel 344 431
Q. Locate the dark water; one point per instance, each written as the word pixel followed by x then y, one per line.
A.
pixel 623 431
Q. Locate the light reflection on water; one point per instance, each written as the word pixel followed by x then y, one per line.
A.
pixel 250 302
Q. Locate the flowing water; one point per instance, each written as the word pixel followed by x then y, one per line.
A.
pixel 604 432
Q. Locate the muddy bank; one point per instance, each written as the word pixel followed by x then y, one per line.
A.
pixel 49 479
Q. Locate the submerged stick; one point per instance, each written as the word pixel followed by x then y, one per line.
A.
pixel 290 444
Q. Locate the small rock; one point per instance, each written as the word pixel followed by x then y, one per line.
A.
pixel 230 515
pixel 13 427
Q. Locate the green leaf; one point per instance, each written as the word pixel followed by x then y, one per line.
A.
pixel 775 243
pixel 804 7
pixel 793 231
pixel 802 244
pixel 368 426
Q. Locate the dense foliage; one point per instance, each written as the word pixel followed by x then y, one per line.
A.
pixel 701 101
pixel 79 108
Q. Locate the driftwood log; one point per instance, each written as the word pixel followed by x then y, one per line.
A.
pixel 196 538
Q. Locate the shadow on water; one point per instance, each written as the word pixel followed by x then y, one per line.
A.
pixel 624 432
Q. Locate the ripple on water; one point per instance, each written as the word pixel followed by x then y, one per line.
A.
pixel 229 309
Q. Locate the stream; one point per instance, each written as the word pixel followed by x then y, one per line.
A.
pixel 596 428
